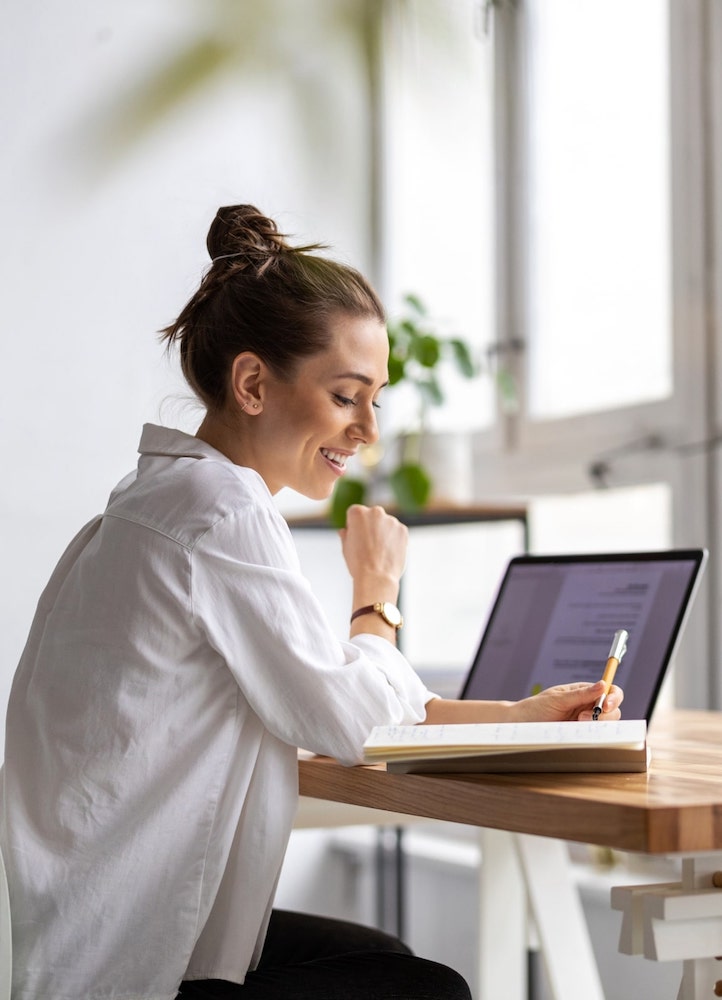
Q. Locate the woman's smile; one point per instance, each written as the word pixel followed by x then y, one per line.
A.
pixel 336 459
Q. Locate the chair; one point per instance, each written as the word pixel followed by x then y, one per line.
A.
pixel 6 950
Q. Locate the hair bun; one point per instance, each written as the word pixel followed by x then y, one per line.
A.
pixel 245 235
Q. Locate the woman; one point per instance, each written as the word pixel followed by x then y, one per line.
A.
pixel 178 659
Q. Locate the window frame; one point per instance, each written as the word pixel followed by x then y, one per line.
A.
pixel 520 456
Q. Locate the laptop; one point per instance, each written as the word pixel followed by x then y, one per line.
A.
pixel 554 618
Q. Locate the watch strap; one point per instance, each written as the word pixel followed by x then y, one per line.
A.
pixel 369 609
pixel 377 608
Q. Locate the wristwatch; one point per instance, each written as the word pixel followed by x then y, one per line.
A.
pixel 388 611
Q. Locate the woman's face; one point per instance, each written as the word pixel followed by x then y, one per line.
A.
pixel 309 427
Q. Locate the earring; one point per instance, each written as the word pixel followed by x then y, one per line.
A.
pixel 243 408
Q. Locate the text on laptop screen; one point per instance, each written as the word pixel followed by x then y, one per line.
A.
pixel 554 619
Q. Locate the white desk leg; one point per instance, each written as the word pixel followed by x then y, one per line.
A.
pixel 698 979
pixel 700 974
pixel 675 921
pixel 502 953
pixel 559 918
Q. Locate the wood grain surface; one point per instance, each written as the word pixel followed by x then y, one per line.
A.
pixel 676 806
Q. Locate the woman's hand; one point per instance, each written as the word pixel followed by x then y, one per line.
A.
pixel 374 546
pixel 568 703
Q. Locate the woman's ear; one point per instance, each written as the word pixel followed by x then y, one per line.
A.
pixel 247 374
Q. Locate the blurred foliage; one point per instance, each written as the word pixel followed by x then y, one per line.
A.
pixel 416 350
pixel 252 41
pixel 259 43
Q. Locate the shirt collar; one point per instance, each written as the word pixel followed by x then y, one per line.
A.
pixel 167 442
pixel 157 440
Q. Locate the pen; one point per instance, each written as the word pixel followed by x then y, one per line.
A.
pixel 619 648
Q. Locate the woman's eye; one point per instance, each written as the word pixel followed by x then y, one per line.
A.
pixel 346 401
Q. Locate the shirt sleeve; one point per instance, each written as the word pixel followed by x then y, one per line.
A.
pixel 309 688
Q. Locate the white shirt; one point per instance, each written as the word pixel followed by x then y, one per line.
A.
pixel 176 661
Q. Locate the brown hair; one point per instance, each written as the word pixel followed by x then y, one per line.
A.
pixel 263 295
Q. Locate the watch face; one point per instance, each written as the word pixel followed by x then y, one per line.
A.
pixel 391 614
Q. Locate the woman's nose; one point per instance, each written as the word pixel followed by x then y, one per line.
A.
pixel 365 427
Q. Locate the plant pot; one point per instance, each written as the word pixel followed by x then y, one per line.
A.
pixel 448 459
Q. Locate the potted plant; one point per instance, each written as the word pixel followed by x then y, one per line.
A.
pixel 417 352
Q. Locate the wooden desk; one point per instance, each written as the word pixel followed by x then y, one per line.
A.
pixel 675 808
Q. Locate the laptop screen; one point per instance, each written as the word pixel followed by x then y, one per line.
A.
pixel 554 618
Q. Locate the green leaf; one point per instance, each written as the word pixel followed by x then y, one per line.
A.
pixel 396 370
pixel 409 329
pixel 346 492
pixel 411 486
pixel 427 350
pixel 462 357
pixel 508 394
pixel 415 303
pixel 430 390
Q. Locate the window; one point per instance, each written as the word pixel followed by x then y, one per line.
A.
pixel 598 205
pixel 439 212
pixel 607 119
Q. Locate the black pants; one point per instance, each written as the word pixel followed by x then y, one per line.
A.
pixel 322 959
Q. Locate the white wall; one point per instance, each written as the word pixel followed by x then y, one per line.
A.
pixel 103 243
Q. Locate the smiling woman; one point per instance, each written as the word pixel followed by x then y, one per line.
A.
pixel 287 350
pixel 300 431
pixel 178 659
